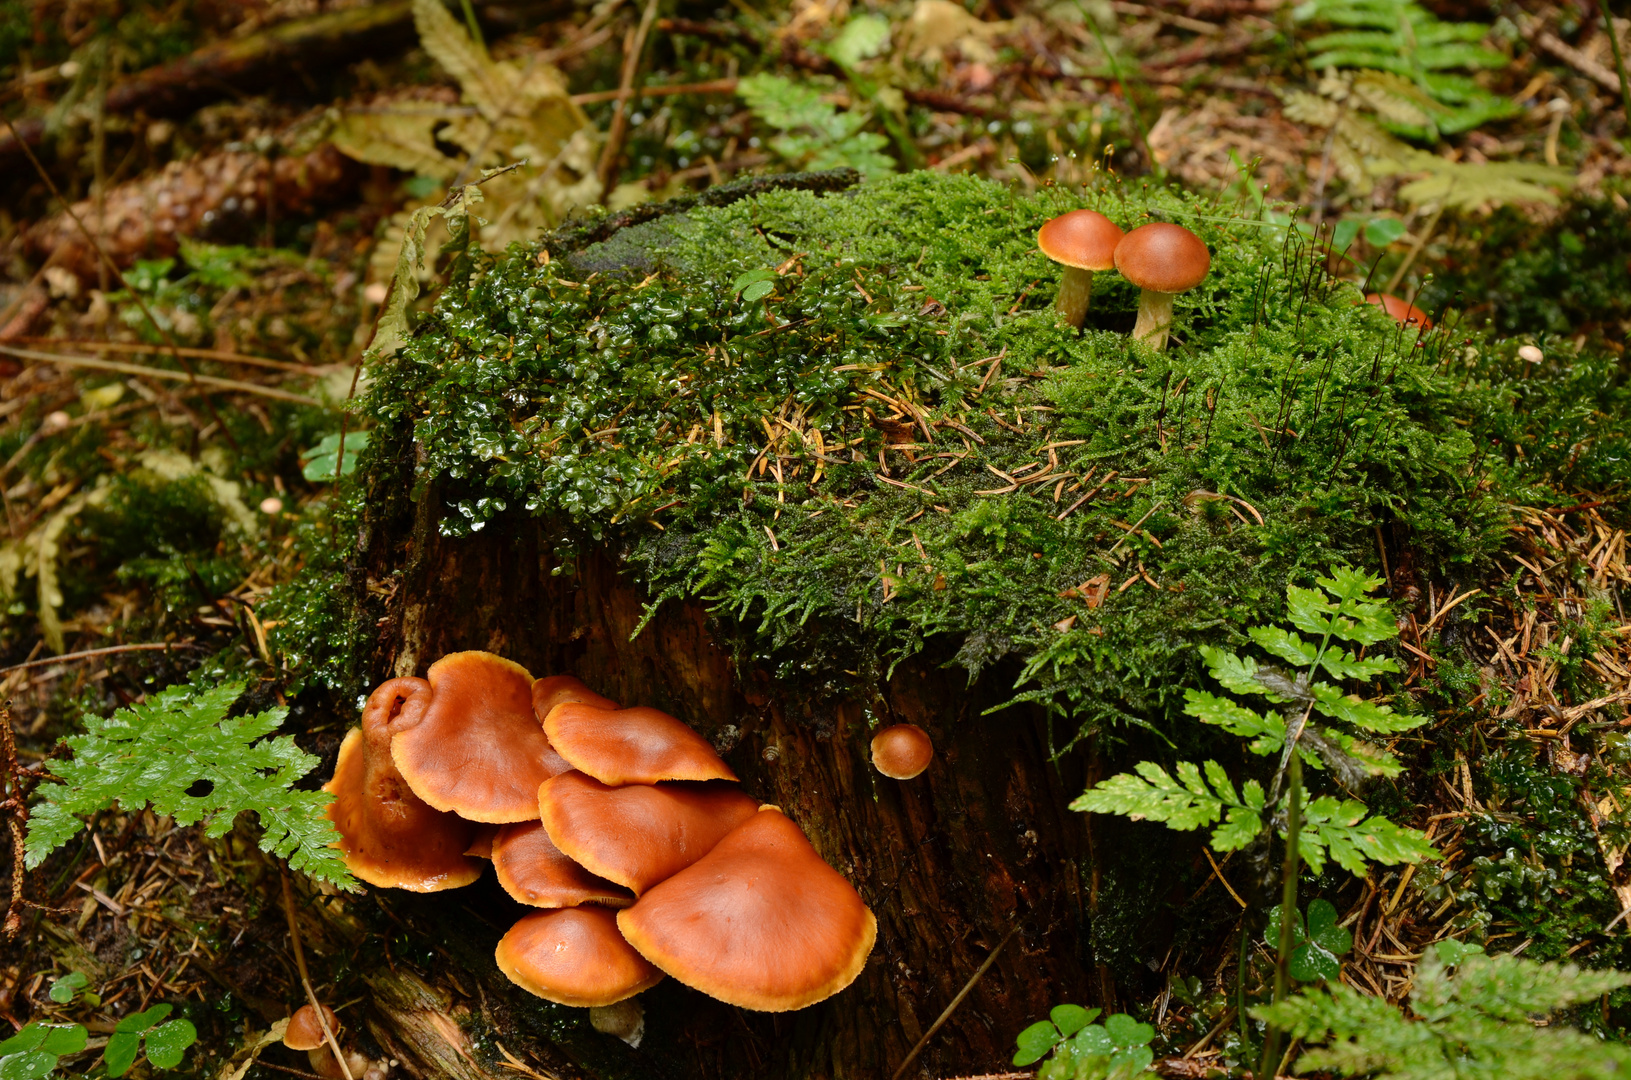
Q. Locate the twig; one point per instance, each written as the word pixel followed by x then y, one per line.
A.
pixel 619 130
pixel 120 277
pixel 713 86
pixel 956 1001
pixel 1619 61
pixel 1421 242
pixel 305 978
pixel 109 651
pixel 70 360
pixel 140 349
pixel 1550 42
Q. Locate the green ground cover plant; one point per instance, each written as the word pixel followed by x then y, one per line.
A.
pixel 896 448
pixel 1473 1017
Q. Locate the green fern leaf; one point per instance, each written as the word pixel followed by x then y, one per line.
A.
pixel 1475 1023
pixel 1278 641
pixel 1341 829
pixel 155 752
pixel 1182 804
pixel 1354 710
pixel 1341 664
pixel 1268 733
pixel 1238 674
pixel 1470 186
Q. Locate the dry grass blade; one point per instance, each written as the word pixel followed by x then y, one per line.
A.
pixel 70 360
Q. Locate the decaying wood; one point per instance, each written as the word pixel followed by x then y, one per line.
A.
pixel 204 198
pixel 948 862
pixel 251 63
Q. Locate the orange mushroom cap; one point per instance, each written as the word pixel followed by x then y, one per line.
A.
pixel 760 922
pixel 534 871
pixel 574 956
pixel 1403 312
pixel 902 751
pixel 640 834
pixel 473 745
pixel 1085 239
pixel 481 844
pixel 304 1032
pixel 631 746
pixel 388 836
pixel 556 690
pixel 1164 258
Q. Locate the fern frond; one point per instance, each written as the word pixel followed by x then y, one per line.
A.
pixel 155 753
pixel 1184 803
pixel 1471 186
pixel 1351 709
pixel 1268 733
pixel 1341 829
pixel 1476 1022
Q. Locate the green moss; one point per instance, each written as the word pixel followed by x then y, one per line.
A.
pixel 730 449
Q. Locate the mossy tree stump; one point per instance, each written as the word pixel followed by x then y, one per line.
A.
pixel 890 488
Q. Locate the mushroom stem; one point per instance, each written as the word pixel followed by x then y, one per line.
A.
pixel 1075 293
pixel 1154 318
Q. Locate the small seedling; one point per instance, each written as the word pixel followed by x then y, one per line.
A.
pixel 32 1053
pixel 166 1042
pixel 755 285
pixel 1082 1050
pixel 320 459
pixel 71 987
pixel 1316 952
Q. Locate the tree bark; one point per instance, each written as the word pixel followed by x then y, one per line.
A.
pixel 949 862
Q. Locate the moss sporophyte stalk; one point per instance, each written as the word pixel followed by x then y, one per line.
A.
pixel 896 447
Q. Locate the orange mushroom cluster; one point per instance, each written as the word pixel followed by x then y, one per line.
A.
pixel 1160 258
pixel 623 827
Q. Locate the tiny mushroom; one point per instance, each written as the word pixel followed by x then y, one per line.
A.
pixel 574 956
pixel 535 872
pixel 640 834
pixel 388 836
pixel 760 922
pixel 1402 311
pixel 473 745
pixel 1082 241
pixel 902 751
pixel 1163 260
pixel 631 746
pixel 305 1031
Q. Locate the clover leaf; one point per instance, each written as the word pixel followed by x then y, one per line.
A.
pixel 63 990
pixel 32 1053
pixel 1118 1049
pixel 321 459
pixel 755 284
pixel 165 1042
pixel 1316 950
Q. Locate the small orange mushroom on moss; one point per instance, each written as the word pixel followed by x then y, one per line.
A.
pixel 902 751
pixel 1162 259
pixel 388 836
pixel 1402 312
pixel 1083 241
pixel 760 922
